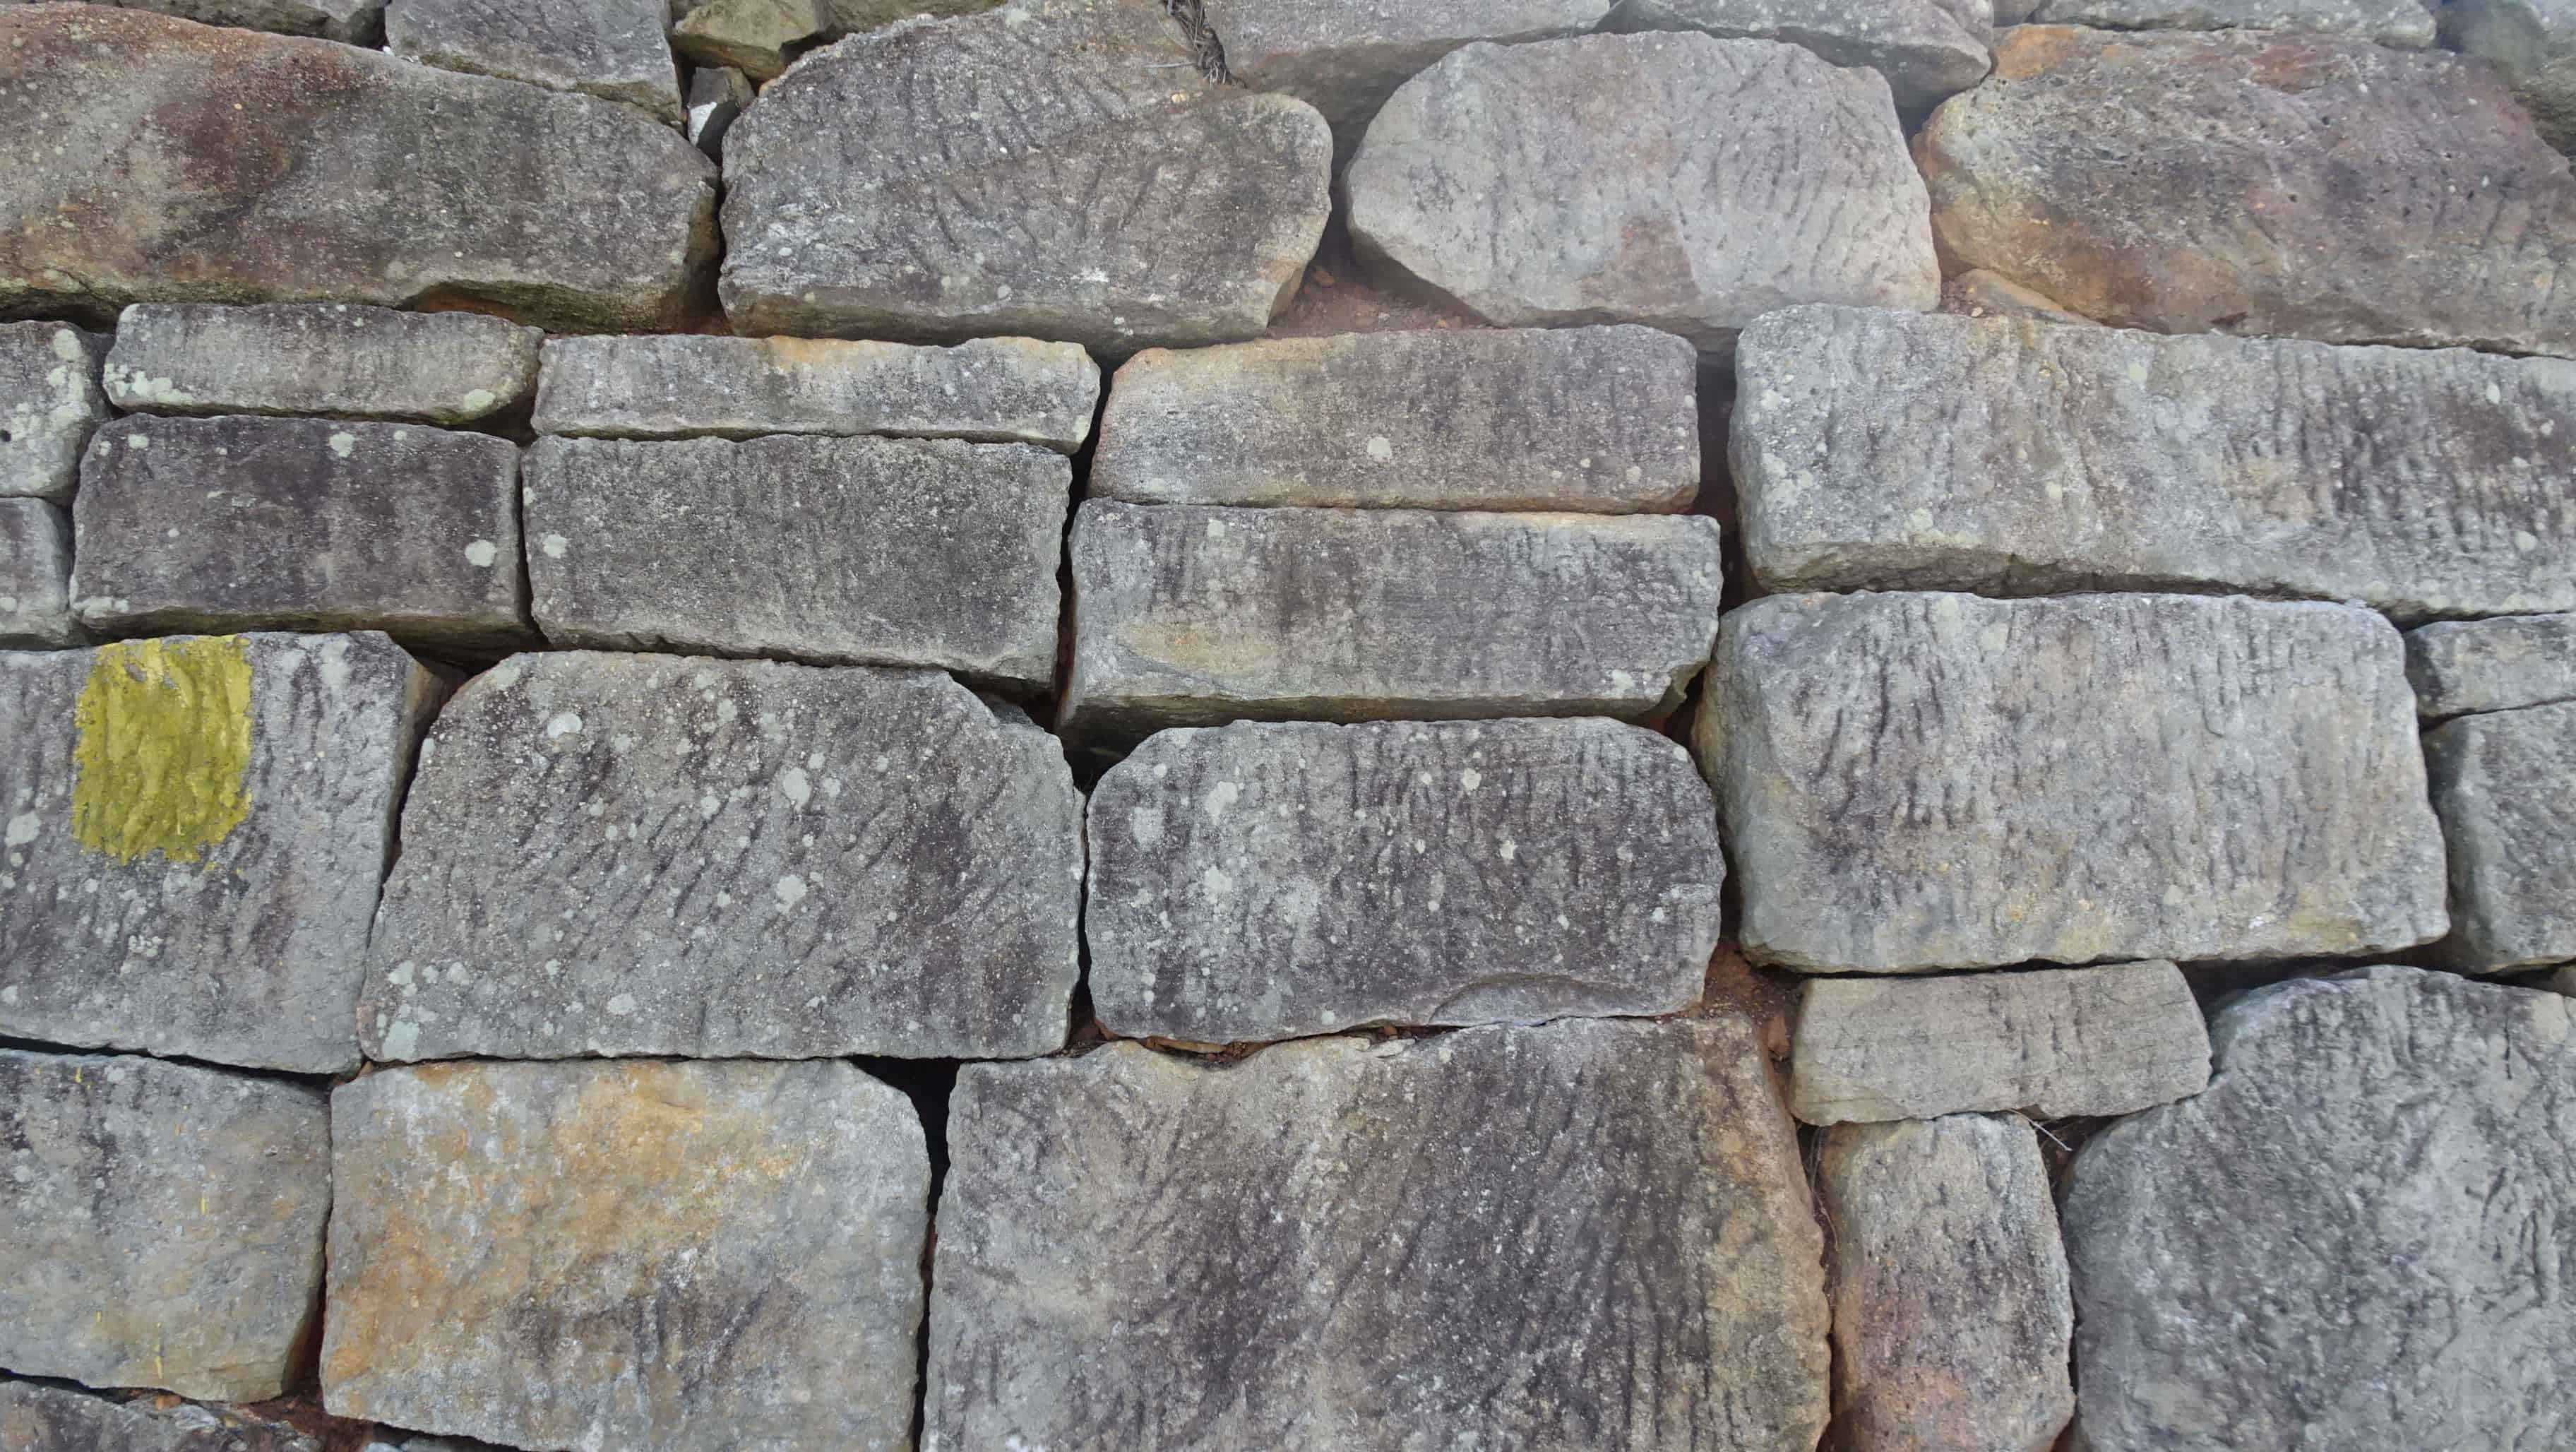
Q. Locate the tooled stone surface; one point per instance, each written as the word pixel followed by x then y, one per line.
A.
pixel 670 1255
pixel 1922 781
pixel 863 550
pixel 2055 1042
pixel 35 573
pixel 1876 449
pixel 241 523
pixel 49 404
pixel 608 854
pixel 1599 420
pixel 2259 183
pixel 228 166
pixel 2388 22
pixel 160 1224
pixel 1268 881
pixel 334 359
pixel 1192 616
pixel 2533 44
pixel 613 49
pixel 2351 1240
pixel 36 1417
pixel 2460 666
pixel 1674 180
pixel 1584 1235
pixel 2504 785
pixel 1951 1312
pixel 1927 49
pixel 358 22
pixel 232 799
pixel 1056 168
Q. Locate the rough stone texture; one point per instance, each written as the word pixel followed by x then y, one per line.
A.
pixel 2254 183
pixel 160 1224
pixel 357 22
pixel 2533 44
pixel 228 166
pixel 2388 22
pixel 613 49
pixel 669 1255
pixel 2461 666
pixel 1192 616
pixel 1268 881
pixel 332 359
pixel 49 404
pixel 1977 293
pixel 1913 782
pixel 239 523
pixel 993 390
pixel 2056 1043
pixel 1587 1235
pixel 1951 1310
pixel 1599 420
pixel 610 854
pixel 1057 168
pixel 35 1417
pixel 2352 1240
pixel 2504 785
pixel 1672 179
pixel 232 799
pixel 1875 449
pixel 35 576
pixel 866 551
pixel 1929 50
pixel 716 97
pixel 758 35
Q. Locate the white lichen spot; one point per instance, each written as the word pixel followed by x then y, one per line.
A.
pixel 1381 449
pixel 1509 850
pixel 481 553
pixel 402 1040
pixel 137 442
pixel 794 785
pixel 1223 795
pixel 790 891
pixel 479 400
pixel 1217 883
pixel 554 545
pixel 1470 779
pixel 565 723
pixel 622 1005
pixel 344 443
pixel 503 676
pixel 22 829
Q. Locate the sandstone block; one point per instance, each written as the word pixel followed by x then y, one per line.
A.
pixel 1929 50
pixel 35 575
pixel 611 854
pixel 753 36
pixel 160 1224
pixel 613 49
pixel 357 22
pixel 1598 420
pixel 2388 22
pixel 1586 1235
pixel 2532 43
pixel 196 828
pixel 49 405
pixel 1913 782
pixel 2461 666
pixel 332 359
pixel 2504 785
pixel 37 1417
pixel 670 1255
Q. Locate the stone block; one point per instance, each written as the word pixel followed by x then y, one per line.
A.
pixel 1929 50
pixel 2504 785
pixel 2386 22
pixel 35 576
pixel 38 1417
pixel 2463 666
pixel 50 403
pixel 336 360
pixel 2532 43
pixel 356 22
pixel 612 49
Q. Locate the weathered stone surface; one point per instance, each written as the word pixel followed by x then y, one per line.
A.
pixel 1669 179
pixel 227 166
pixel 1928 50
pixel 332 359
pixel 1054 169
pixel 758 35
pixel 1268 881
pixel 358 22
pixel 160 1224
pixel 240 523
pixel 1600 420
pixel 2352 1240
pixel 613 49
pixel 1876 449
pixel 2259 183
pixel 716 97
pixel 670 1255
pixel 195 831
pixel 35 575
pixel 49 405
pixel 1587 1235
pixel 1951 1310
pixel 37 1417
pixel 1977 293
pixel 2388 22
pixel 2054 1042
pixel 1913 782
pixel 610 854
pixel 2504 785
pixel 867 551
pixel 1192 616
pixel 993 390
pixel 2533 44
pixel 2461 666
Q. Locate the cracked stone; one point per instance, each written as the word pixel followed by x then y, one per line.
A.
pixel 35 576
pixel 2463 666
pixel 331 359
pixel 50 403
pixel 2504 785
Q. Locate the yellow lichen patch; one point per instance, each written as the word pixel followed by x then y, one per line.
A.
pixel 163 749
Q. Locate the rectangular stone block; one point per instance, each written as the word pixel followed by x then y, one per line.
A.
pixel 1585 1235
pixel 1922 781
pixel 899 552
pixel 196 828
pixel 339 360
pixel 41 1417
pixel 612 49
pixel 668 1255
pixel 160 1224
pixel 35 575
pixel 1185 615
pixel 2462 666
pixel 1892 450
pixel 49 404
pixel 2504 784
pixel 608 854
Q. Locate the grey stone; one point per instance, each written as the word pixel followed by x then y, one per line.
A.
pixel 2388 22
pixel 2352 1240
pixel 608 854
pixel 2056 1042
pixel 2461 666
pixel 160 1224
pixel 35 576
pixel 241 523
pixel 1929 50
pixel 37 1417
pixel 2504 785
pixel 254 168
pixel 2562 981
pixel 992 390
pixel 1588 1235
pixel 1057 168
pixel 758 36
pixel 2533 44
pixel 715 100
pixel 1600 420
pixel 1674 180
pixel 668 1255
pixel 1913 782
pixel 866 551
pixel 1952 1316
pixel 612 49
pixel 1889 450
pixel 1268 881
pixel 357 22
pixel 332 359
pixel 49 404
pixel 1192 616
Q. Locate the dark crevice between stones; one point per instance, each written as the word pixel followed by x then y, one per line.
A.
pixel 928 1083
pixel 323 1082
pixel 1206 46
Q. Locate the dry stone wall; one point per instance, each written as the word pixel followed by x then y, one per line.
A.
pixel 1133 725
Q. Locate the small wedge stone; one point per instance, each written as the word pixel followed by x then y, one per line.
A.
pixel 50 403
pixel 35 576
pixel 612 49
pixel 36 1417
pixel 2387 22
pixel 2462 666
pixel 2504 785
pixel 337 360
pixel 1929 50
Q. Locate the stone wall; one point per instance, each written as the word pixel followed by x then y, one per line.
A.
pixel 1105 724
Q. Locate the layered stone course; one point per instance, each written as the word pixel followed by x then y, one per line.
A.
pixel 326 359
